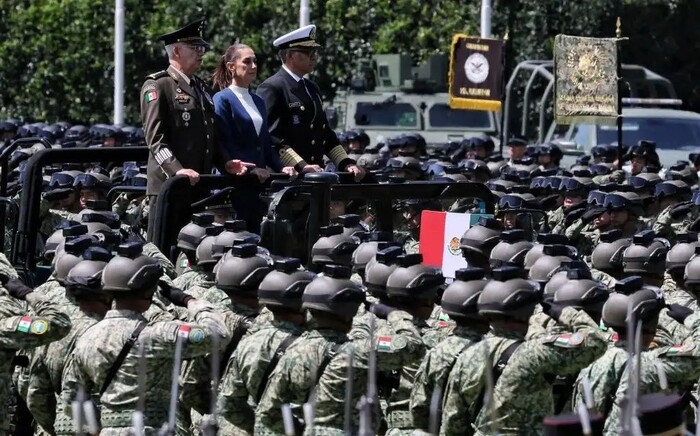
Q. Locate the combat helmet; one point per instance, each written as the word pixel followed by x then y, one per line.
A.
pixel 70 256
pixel 131 272
pixel 55 243
pixel 334 293
pixel 646 255
pixel 691 275
pixel 284 286
pixel 413 280
pixel 191 234
pixel 508 295
pixel 333 247
pixel 547 265
pixel 242 272
pixel 364 252
pixel 581 291
pixel 204 253
pixel 478 241
pixel 560 277
pixel 460 299
pixel 537 250
pixel 607 255
pixel 85 278
pixel 379 268
pixel 234 233
pixel 680 254
pixel 646 302
pixel 511 250
pixel 352 224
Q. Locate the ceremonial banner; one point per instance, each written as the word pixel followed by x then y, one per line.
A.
pixel 440 234
pixel 585 75
pixel 476 73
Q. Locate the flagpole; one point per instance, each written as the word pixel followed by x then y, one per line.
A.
pixel 502 135
pixel 618 34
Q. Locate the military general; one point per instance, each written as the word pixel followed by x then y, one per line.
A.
pixel 295 115
pixel 177 113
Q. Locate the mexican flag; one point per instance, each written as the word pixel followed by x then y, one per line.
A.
pixel 440 233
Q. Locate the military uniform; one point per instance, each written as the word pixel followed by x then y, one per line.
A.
pixel 397 343
pixel 680 364
pixel 97 349
pixel 434 371
pixel 523 396
pixel 46 373
pixel 18 331
pixel 178 121
pixel 666 226
pixel 291 381
pixel 243 380
pixel 297 121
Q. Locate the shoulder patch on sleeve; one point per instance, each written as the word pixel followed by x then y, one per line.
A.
pixel 196 336
pixel 566 340
pixel 384 343
pixel 150 95
pixel 183 332
pixel 27 324
pixel 681 350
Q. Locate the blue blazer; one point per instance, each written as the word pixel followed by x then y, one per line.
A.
pixel 237 132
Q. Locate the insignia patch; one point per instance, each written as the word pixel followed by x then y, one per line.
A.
pixel 294 104
pixel 182 98
pixel 150 96
pixel 681 350
pixel 442 323
pixel 183 332
pixel 196 336
pixel 184 263
pixel 384 343
pixel 296 120
pixel 444 317
pixel 399 343
pixel 567 340
pixel 25 323
pixel 178 90
pixel 39 327
pixel 186 116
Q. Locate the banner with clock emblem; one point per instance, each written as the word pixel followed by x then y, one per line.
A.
pixel 476 73
pixel 585 80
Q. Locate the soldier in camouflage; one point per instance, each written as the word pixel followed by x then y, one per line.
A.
pixel 132 278
pixel 83 284
pixel 239 277
pixel 257 354
pixel 332 300
pixel 21 330
pixel 459 302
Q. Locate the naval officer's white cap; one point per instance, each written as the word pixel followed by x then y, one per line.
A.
pixel 303 38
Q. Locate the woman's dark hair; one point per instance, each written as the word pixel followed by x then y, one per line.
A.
pixel 222 76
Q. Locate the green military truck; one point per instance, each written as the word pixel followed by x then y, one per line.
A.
pixel 393 97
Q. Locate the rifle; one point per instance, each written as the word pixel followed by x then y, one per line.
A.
pixel 348 394
pixel 368 401
pixel 210 425
pixel 435 402
pixel 137 417
pixel 168 429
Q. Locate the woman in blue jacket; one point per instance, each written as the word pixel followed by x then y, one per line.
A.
pixel 242 125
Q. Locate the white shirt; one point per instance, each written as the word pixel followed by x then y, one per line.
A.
pixel 249 105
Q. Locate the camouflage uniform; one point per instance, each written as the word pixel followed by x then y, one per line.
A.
pixel 52 219
pixel 668 227
pixel 556 219
pixel 604 376
pixel 6 268
pixel 97 349
pixel 680 363
pixel 45 374
pixel 523 396
pixel 603 277
pixel 398 416
pixel 150 250
pixel 434 371
pixel 617 176
pixel 675 294
pixel 192 276
pixel 397 343
pixel 408 238
pixel 291 381
pixel 240 384
pixel 238 320
pixel 17 331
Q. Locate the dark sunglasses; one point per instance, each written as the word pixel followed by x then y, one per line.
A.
pixel 61 180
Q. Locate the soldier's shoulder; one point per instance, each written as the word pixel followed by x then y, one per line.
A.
pixel 157 76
